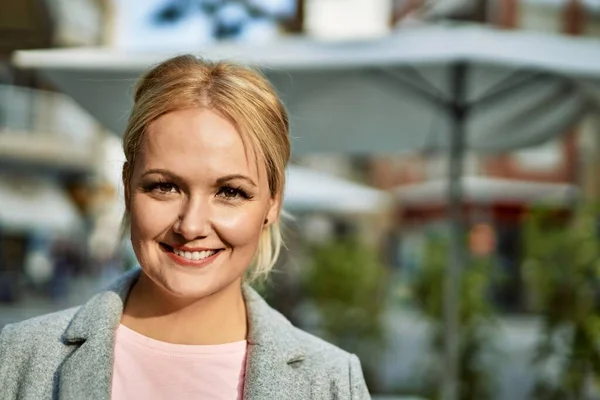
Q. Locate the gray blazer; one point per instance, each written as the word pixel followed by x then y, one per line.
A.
pixel 69 355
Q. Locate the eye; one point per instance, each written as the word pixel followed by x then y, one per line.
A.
pixel 161 187
pixel 232 193
pixel 166 187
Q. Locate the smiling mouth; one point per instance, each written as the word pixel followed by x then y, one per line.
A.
pixel 199 257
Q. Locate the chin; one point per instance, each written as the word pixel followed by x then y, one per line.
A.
pixel 182 285
pixel 189 290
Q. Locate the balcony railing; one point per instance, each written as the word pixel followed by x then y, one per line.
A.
pixel 46 127
pixel 33 111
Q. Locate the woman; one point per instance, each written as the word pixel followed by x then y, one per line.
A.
pixel 206 149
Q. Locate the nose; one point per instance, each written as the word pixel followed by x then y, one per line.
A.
pixel 194 220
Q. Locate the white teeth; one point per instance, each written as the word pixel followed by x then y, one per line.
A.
pixel 194 255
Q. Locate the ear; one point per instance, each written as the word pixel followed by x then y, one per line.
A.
pixel 127 191
pixel 273 212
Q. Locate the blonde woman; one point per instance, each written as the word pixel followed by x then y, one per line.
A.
pixel 206 150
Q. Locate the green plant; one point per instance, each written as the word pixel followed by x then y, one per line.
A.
pixel 346 282
pixel 476 319
pixel 562 268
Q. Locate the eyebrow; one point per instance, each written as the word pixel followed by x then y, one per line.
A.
pixel 162 172
pixel 228 178
pixel 220 181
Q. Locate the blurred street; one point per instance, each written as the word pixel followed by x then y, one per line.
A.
pixel 442 205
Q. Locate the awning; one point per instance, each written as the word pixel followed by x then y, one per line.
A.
pixel 37 205
pixel 485 190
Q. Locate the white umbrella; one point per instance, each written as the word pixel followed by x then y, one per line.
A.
pixel 311 190
pixel 506 74
pixel 435 87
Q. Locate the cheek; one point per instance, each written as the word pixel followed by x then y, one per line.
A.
pixel 241 226
pixel 150 218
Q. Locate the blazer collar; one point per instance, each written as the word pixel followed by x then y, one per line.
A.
pixel 103 311
pixel 269 329
pixel 274 352
pixel 273 346
pixel 87 373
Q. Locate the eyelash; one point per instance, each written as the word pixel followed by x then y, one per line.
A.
pixel 154 186
pixel 236 191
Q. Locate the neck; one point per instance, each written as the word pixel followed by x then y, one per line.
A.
pixel 215 319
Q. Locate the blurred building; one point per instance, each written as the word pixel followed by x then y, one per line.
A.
pixel 48 151
pixel 48 159
pixel 65 137
pixel 57 164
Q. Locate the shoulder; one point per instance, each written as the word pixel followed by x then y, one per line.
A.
pixel 343 369
pixel 323 360
pixel 318 348
pixel 104 307
pixel 323 353
pixel 30 351
pixel 267 325
pixel 45 326
pixel 24 337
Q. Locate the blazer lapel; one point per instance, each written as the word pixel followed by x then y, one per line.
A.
pixel 87 372
pixel 274 354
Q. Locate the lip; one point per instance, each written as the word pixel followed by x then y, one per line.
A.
pixel 191 249
pixel 189 263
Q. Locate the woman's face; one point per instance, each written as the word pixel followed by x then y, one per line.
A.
pixel 198 200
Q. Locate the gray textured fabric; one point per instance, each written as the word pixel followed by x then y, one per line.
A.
pixel 69 355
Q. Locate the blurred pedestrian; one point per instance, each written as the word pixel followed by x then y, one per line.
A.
pixel 206 148
pixel 39 268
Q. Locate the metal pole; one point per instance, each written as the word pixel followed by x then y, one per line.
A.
pixel 452 279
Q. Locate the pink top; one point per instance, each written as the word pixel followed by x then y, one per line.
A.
pixel 148 369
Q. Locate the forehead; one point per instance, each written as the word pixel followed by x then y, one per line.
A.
pixel 193 140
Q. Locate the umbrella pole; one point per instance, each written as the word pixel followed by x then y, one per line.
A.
pixel 452 278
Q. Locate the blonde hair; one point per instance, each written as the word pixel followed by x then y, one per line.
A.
pixel 241 95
